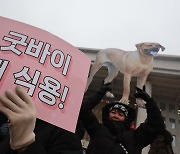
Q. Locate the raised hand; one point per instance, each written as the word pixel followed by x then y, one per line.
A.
pixel 19 109
pixel 142 94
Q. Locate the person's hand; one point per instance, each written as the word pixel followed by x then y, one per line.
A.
pixel 105 87
pixel 142 94
pixel 19 109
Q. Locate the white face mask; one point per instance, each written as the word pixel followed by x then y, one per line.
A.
pixel 152 51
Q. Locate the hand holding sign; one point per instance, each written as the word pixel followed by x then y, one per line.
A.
pixel 19 109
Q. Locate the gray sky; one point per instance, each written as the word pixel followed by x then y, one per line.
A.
pixel 102 23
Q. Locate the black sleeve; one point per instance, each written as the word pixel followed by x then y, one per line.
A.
pixel 35 147
pixel 86 115
pixel 53 140
pixel 154 117
pixel 153 125
pixel 80 129
pixel 3 118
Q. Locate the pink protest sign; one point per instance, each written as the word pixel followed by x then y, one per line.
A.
pixel 52 71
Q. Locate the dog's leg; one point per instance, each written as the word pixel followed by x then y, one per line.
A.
pixel 112 73
pixel 95 67
pixel 141 80
pixel 126 89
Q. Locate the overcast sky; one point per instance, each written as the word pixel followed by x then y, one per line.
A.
pixel 102 23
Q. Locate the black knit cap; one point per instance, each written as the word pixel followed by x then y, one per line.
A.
pixel 119 107
pixel 128 111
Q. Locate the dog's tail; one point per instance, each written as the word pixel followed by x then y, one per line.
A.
pixel 94 68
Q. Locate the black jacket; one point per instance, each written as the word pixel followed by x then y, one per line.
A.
pixel 102 138
pixel 49 140
pixel 162 144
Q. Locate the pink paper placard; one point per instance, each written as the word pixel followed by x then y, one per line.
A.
pixel 52 71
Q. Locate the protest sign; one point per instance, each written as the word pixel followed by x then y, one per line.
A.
pixel 52 71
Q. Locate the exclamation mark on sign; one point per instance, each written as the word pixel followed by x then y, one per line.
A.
pixel 63 97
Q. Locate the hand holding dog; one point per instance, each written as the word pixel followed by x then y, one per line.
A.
pixel 19 109
pixel 142 94
pixel 105 87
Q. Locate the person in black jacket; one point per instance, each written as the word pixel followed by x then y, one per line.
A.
pixel 114 135
pixel 22 133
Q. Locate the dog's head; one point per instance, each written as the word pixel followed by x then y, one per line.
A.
pixel 149 48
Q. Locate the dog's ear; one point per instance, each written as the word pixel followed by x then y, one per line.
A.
pixel 138 46
pixel 162 48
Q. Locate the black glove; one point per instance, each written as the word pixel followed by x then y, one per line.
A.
pixel 142 94
pixel 105 87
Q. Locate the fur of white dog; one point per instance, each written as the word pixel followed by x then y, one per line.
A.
pixel 137 63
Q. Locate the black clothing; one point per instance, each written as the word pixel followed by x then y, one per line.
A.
pixel 116 137
pixel 80 130
pixel 49 140
pixel 162 144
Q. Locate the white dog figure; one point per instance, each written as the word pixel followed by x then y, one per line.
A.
pixel 137 63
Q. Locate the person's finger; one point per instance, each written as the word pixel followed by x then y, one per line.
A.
pixel 9 113
pixel 108 84
pixel 26 98
pixel 23 95
pixel 9 104
pixel 14 98
pixel 136 95
pixel 144 88
pixel 138 89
